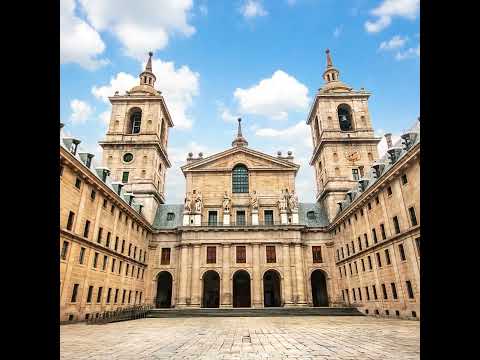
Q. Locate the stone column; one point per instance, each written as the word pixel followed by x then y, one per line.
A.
pixel 182 296
pixel 196 276
pixel 300 290
pixel 256 286
pixel 226 295
pixel 287 280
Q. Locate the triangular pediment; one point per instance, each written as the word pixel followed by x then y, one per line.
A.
pixel 254 160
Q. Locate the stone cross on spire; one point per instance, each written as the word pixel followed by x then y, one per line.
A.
pixel 239 140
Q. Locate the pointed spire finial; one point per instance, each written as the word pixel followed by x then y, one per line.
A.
pixel 149 62
pixel 329 59
pixel 239 134
pixel 239 140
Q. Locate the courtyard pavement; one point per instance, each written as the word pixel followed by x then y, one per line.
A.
pixel 239 338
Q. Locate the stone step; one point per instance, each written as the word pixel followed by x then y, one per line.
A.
pixel 250 312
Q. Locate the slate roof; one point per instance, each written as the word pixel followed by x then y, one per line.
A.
pixel 161 221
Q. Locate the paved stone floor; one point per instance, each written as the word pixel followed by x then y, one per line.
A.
pixel 269 338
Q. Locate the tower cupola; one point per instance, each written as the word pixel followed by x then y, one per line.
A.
pixel 147 77
pixel 331 75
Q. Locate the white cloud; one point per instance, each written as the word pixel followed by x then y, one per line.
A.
pixel 203 9
pixel 141 25
pixel 79 42
pixel 253 8
pixel 81 111
pixel 395 42
pixel 410 53
pixel 299 131
pixel 104 117
pixel 273 97
pixel 390 8
pixel 382 145
pixel 225 113
pixel 338 31
pixel 178 85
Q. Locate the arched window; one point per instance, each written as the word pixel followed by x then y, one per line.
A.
pixel 135 121
pixel 240 179
pixel 345 117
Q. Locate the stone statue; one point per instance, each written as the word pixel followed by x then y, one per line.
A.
pixel 254 200
pixel 282 203
pixel 198 203
pixel 293 201
pixel 187 207
pixel 226 202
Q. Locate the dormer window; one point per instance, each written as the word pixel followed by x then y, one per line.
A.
pixel 170 216
pixel 311 215
pixel 345 117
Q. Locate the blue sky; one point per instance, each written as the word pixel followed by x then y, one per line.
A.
pixel 216 60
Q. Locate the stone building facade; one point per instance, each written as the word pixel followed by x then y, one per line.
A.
pixel 241 238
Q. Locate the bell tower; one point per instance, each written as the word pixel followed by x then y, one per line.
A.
pixel 344 145
pixel 135 146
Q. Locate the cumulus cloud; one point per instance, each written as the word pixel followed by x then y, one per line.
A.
pixel 392 8
pixel 394 43
pixel 79 42
pixel 104 117
pixel 140 25
pixel 410 53
pixel 273 97
pixel 299 131
pixel 178 85
pixel 253 8
pixel 81 111
pixel 225 113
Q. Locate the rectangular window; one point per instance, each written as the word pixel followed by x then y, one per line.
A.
pixel 389 191
pixel 123 246
pixel 93 194
pixel 112 209
pixel 377 201
pixel 374 292
pixel 212 218
pixel 113 265
pixel 356 268
pixel 417 243
pixel 135 252
pixel 343 255
pixel 340 271
pixel 133 270
pixel 140 299
pixel 241 252
pixel 350 268
pixel 107 242
pixel 369 262
pixel 354 296
pixel 369 206
pixel 63 254
pixel 71 217
pixel 343 295
pixel 359 244
pixel 402 252
pixel 409 289
pixel 382 230
pixel 109 292
pixel 78 183
pixel 413 217
pixel 120 267
pixel 348 295
pixel 361 212
pixel 384 290
pixel 268 214
pixel 105 202
pixel 353 248
pixel 355 175
pixel 374 234
pixel 367 292
pixel 74 293
pixel 125 177
pixel 396 225
pixel 129 296
pixel 211 254
pixel 115 299
pixel 116 243
pixel 61 170
pixel 379 260
pixel 129 249
pixel 105 262
pixel 348 250
pixel 271 256
pixel 404 179
pixel 89 294
pixel 363 265
pixel 126 269
pixel 240 218
pixel 394 290
pixel 387 256
pixel 99 238
pixel 165 259
pixel 359 294
pixel 317 254
pixel 95 259
pixel 123 296
pixel 338 254
pixel 366 240
pixel 81 256
pixel 86 229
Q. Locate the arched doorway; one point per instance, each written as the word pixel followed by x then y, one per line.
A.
pixel 271 289
pixel 319 288
pixel 241 289
pixel 211 290
pixel 164 290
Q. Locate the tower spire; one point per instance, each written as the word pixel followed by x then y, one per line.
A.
pixel 329 59
pixel 147 77
pixel 239 140
pixel 149 62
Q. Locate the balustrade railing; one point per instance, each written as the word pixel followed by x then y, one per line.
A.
pixel 121 314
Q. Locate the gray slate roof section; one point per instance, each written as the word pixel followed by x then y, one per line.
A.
pixel 161 221
pixel 320 219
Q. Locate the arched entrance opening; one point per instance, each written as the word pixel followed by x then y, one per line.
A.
pixel 241 289
pixel 164 290
pixel 211 290
pixel 271 289
pixel 319 288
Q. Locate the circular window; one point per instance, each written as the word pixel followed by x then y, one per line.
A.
pixel 128 157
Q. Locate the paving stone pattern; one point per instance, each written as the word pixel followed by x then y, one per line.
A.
pixel 270 338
